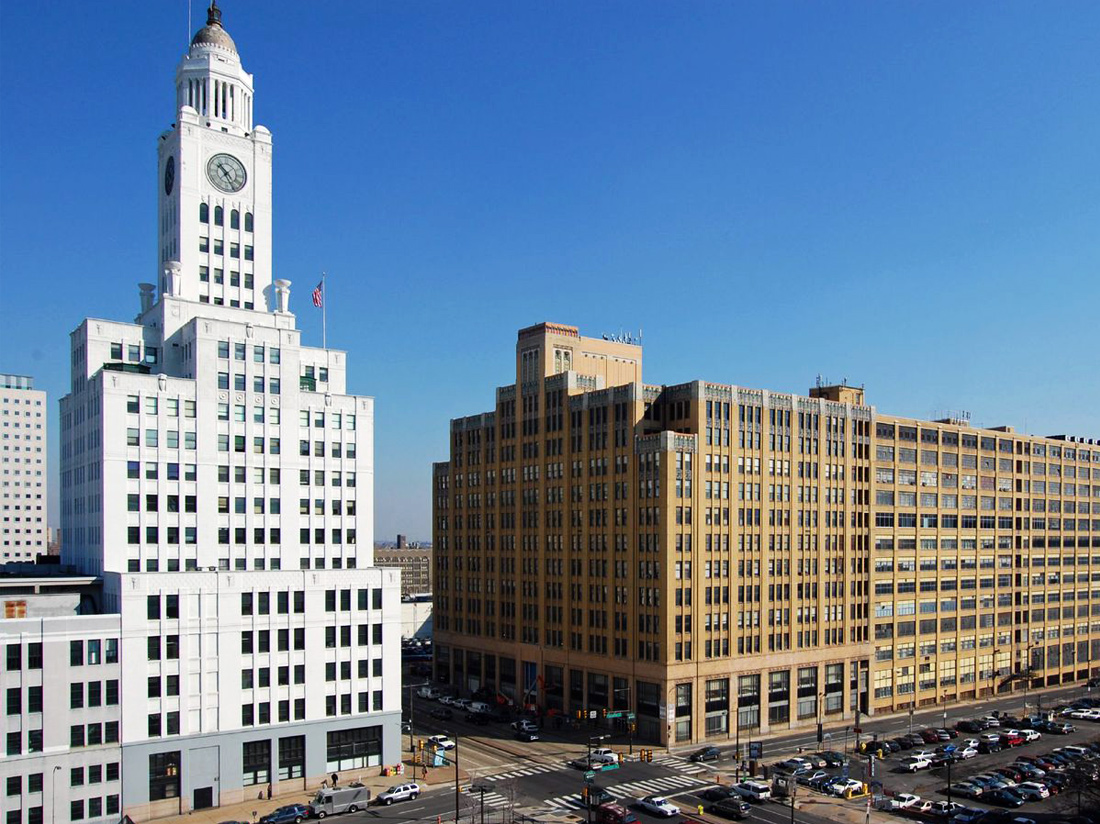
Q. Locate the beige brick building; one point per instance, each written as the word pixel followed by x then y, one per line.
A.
pixel 728 562
pixel 415 564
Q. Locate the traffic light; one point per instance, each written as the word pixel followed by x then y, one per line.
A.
pixel 649 755
pixel 633 727
pixel 584 792
pixel 420 744
pixel 605 712
pixel 579 715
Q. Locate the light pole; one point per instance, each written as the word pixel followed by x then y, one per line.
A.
pixel 588 799
pixel 454 757
pixel 424 684
pixel 629 712
pixel 993 675
pixel 53 799
pixel 910 719
pixel 481 789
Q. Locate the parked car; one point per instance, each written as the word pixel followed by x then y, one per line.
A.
pixel 944 809
pixel 930 736
pixel 603 755
pixel 290 814
pixel 892 746
pixel 730 808
pixel 986 747
pixel 914 764
pixel 1011 740
pixel 658 805
pixel 524 724
pixel 965 789
pixel 1033 791
pixel 1061 728
pixel 810 776
pixel 967 752
pixel 969 726
pixel 1004 798
pixel 904 801
pixel 845 786
pixel 706 754
pixel 442 713
pixel 968 815
pixel 903 743
pixel 399 792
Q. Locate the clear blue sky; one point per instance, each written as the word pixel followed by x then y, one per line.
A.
pixel 903 194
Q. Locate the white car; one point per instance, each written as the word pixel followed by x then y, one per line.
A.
pixel 968 742
pixel 1031 735
pixel 753 790
pixel 967 752
pixel 428 692
pixel 441 742
pixel 915 764
pixel 399 792
pixel 1033 790
pixel 658 805
pixel 525 725
pixel 905 800
pixel 847 785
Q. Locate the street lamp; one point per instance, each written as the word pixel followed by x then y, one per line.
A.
pixel 588 800
pixel 53 799
pixel 629 712
pixel 993 674
pixel 423 684
pixel 481 789
pixel 455 759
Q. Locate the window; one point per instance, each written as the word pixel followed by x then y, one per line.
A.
pixel 256 762
pixel 354 748
pixel 292 757
pixel 164 775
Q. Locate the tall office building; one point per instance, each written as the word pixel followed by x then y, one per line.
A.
pixel 728 562
pixel 217 478
pixel 23 528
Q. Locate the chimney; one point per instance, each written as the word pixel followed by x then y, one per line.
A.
pixel 146 290
pixel 282 296
pixel 171 281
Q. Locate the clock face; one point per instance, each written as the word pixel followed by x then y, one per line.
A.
pixel 169 175
pixel 226 173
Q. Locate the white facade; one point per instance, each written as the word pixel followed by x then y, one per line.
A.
pixel 23 530
pixel 219 479
pixel 61 686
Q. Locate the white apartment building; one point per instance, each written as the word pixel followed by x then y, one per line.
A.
pixel 217 479
pixel 22 469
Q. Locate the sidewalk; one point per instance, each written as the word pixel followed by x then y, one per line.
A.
pixel 250 811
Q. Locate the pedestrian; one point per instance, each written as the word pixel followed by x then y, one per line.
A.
pixel 334 779
pixel 324 784
pixel 268 790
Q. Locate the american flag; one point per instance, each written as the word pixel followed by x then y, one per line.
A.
pixel 319 295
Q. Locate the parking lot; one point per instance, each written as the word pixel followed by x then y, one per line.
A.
pixel 1060 772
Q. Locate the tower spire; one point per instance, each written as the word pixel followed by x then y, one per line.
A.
pixel 213 14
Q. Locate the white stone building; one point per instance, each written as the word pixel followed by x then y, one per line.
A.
pixel 23 530
pixel 217 479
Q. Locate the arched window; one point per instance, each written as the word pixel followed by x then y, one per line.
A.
pixel 234 219
pixel 248 221
pixel 218 215
pixel 204 213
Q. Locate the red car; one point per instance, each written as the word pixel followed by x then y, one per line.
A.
pixel 929 736
pixel 1013 740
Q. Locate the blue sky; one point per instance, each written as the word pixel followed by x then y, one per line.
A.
pixel 903 194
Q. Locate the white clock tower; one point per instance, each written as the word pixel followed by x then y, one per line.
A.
pixel 214 190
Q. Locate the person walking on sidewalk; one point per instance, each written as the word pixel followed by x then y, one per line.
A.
pixel 335 777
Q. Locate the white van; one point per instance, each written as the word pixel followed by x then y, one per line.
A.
pixel 753 790
pixel 478 707
pixel 428 692
pixel 341 800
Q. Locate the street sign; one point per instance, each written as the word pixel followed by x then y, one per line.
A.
pixel 607 767
pixel 589 776
pixel 756 749
pixel 844 770
pixel 630 716
pixel 615 714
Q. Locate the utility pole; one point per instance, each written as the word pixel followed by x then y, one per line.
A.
pixel 424 684
pixel 910 720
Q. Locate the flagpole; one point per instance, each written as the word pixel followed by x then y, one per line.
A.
pixel 324 314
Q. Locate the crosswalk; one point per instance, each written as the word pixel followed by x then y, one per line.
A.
pixel 491 799
pixel 682 765
pixel 630 790
pixel 534 769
